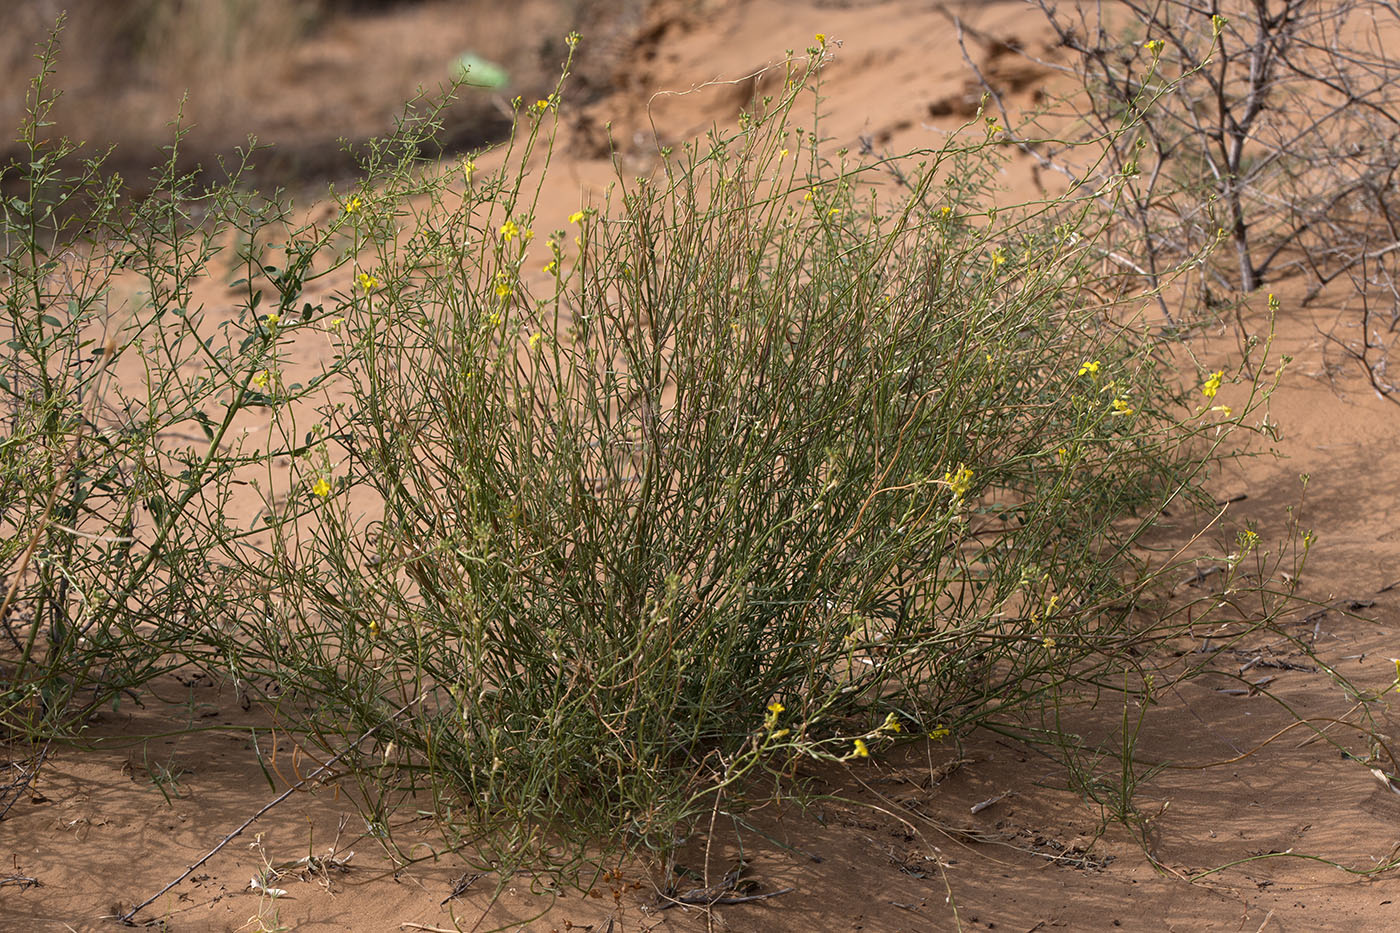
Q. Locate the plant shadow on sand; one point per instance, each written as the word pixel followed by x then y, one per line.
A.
pixel 973 830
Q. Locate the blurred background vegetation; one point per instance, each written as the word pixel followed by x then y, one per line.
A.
pixel 299 75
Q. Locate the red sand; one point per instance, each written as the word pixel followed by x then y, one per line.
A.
pixel 96 833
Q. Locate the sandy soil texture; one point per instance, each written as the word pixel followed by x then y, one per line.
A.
pixel 985 837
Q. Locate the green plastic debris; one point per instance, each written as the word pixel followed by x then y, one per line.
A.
pixel 474 71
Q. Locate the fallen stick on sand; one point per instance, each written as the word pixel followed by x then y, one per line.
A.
pixel 126 918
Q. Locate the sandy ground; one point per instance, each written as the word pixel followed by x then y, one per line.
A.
pixel 896 845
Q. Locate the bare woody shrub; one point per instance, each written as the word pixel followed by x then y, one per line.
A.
pixel 1265 131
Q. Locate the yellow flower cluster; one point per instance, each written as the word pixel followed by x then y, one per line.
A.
pixel 770 722
pixel 368 282
pixel 354 204
pixel 1212 384
pixel 959 481
pixel 1089 368
pixel 321 487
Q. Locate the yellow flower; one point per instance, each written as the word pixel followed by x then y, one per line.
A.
pixel 775 707
pixel 1212 384
pixel 946 210
pixel 575 217
pixel 551 267
pixel 468 168
pixel 272 319
pixel 321 488
pixel 354 204
pixel 891 724
pixel 1090 367
pixel 833 212
pixel 1225 410
pixel 335 323
pixel 509 230
pixel 998 257
pixel 535 339
pixel 368 282
pixel 1063 454
pixel 958 481
pixel 782 155
pixel 1049 643
pixel 261 379
pixel 939 734
pixel 1153 45
pixel 374 630
pixel 503 287
pixel 862 751
pixel 541 105
pixel 821 39
pixel 1121 407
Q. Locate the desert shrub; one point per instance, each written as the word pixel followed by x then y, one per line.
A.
pixel 582 523
pixel 758 458
pixel 1268 128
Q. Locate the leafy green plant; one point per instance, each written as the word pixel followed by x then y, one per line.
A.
pixel 125 404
